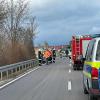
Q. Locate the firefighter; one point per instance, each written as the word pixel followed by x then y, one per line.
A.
pixel 47 55
pixel 40 57
pixel 66 51
pixel 50 57
pixel 60 52
pixel 53 55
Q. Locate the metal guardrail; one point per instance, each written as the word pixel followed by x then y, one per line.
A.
pixel 12 70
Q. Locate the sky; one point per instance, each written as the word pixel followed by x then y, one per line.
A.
pixel 58 20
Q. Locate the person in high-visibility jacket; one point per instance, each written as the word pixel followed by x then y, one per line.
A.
pixel 47 55
pixel 40 57
pixel 50 57
pixel 53 55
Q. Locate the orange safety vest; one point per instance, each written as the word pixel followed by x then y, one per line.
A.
pixel 47 54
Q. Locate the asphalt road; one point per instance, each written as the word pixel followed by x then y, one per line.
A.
pixel 56 81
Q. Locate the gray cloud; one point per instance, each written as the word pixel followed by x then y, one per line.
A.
pixel 59 20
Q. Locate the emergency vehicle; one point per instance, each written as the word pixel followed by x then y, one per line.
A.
pixel 79 45
pixel 91 70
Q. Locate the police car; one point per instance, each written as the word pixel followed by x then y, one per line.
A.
pixel 91 70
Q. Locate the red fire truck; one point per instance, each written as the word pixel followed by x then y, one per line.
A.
pixel 79 46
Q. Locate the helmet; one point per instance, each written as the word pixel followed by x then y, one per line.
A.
pixel 40 49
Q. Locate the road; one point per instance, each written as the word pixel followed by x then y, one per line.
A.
pixel 56 81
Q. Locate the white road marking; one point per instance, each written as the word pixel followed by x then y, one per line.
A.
pixel 3 86
pixel 69 86
pixel 69 71
pixel 70 65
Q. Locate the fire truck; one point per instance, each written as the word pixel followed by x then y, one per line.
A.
pixel 79 46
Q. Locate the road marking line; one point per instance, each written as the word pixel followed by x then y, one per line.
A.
pixel 5 85
pixel 69 71
pixel 69 86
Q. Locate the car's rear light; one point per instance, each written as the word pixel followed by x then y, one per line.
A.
pixel 94 73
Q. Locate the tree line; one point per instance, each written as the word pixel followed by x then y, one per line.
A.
pixel 17 31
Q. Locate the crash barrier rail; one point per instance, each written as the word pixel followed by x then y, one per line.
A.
pixel 13 70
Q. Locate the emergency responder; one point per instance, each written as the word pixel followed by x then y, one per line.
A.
pixel 40 56
pixel 47 54
pixel 53 55
pixel 50 57
pixel 66 51
pixel 60 52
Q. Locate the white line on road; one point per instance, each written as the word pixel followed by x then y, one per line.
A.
pixel 1 87
pixel 69 86
pixel 70 65
pixel 69 71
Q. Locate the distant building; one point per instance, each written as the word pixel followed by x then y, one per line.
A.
pixel 57 47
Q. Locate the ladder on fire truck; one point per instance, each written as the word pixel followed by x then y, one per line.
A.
pixel 77 41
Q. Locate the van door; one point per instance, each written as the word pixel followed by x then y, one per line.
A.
pixel 87 67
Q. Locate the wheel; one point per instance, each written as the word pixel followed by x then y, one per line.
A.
pixel 81 68
pixel 91 97
pixel 78 68
pixel 74 67
pixel 40 65
pixel 84 87
pixel 85 90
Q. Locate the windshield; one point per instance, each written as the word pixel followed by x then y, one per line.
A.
pixel 98 52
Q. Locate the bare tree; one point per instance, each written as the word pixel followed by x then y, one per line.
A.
pixel 3 14
pixel 30 35
pixel 3 11
pixel 17 11
pixel 19 36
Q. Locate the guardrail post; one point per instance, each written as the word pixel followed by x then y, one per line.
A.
pixel 11 72
pixel 19 68
pixel 29 65
pixel 1 76
pixel 7 74
pixel 25 66
pixel 33 64
pixel 22 67
pixel 16 70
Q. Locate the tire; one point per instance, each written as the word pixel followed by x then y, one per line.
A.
pixel 85 90
pixel 81 68
pixel 84 87
pixel 40 65
pixel 74 67
pixel 91 97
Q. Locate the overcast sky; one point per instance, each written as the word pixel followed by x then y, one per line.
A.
pixel 58 20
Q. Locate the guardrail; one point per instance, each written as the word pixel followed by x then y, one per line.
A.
pixel 12 70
